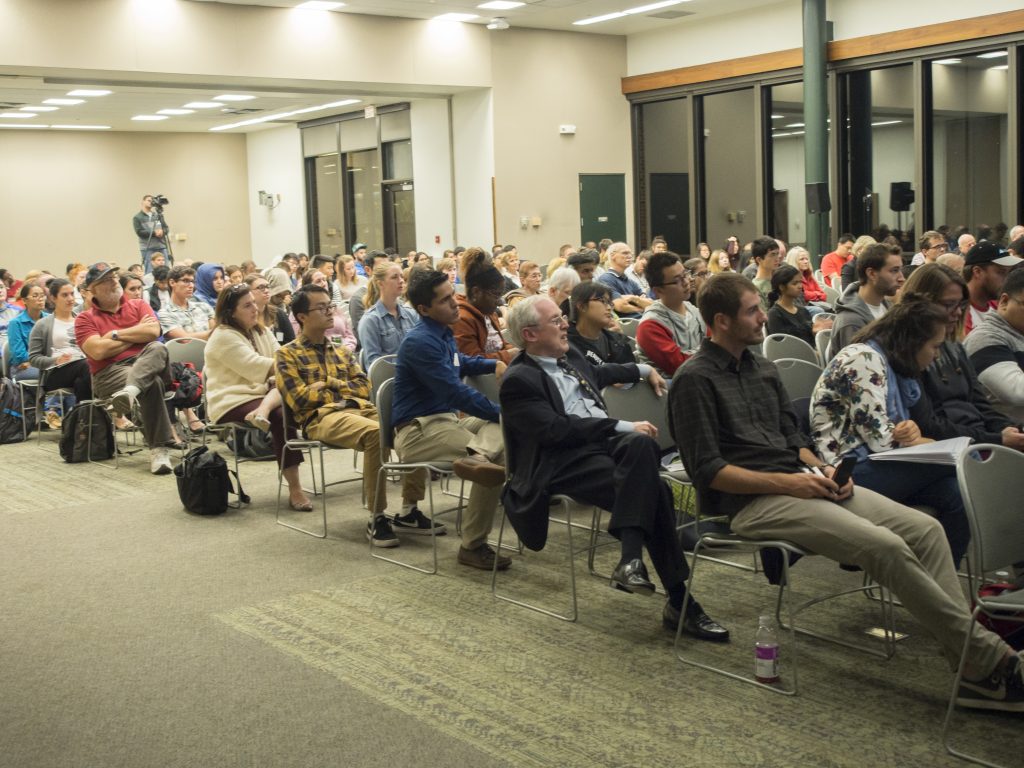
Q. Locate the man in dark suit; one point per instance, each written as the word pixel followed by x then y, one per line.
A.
pixel 559 439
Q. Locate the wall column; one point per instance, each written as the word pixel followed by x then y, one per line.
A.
pixel 815 116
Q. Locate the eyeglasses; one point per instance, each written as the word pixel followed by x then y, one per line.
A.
pixel 938 247
pixel 264 287
pixel 678 280
pixel 606 302
pixel 186 281
pixel 558 321
pixel 952 306
pixel 325 308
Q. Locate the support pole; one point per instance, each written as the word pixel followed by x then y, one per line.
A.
pixel 815 119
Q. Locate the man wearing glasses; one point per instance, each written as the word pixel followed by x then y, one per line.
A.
pixel 185 316
pixel 329 397
pixel 671 328
pixel 932 245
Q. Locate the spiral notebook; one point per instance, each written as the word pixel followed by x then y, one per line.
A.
pixel 939 452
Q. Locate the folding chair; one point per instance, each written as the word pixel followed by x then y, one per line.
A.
pixel 385 396
pixel 381 369
pixel 232 428
pixel 991 480
pixel 821 342
pixel 40 395
pixel 799 377
pixel 187 350
pixel 778 346
pixel 628 326
pixel 831 294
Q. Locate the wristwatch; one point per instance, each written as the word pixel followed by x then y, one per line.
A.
pixel 113 335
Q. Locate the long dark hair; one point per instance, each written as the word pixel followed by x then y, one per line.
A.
pixel 781 277
pixel 903 330
pixel 227 302
pixel 583 294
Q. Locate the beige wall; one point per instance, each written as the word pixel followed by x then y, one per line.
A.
pixel 70 196
pixel 541 80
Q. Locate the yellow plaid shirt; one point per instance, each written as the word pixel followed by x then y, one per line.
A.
pixel 301 363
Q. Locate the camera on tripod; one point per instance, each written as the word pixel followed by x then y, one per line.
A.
pixel 159 201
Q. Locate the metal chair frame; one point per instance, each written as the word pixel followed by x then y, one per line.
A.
pixel 781 346
pixel 796 376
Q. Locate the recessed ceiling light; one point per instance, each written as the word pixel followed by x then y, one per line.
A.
pixel 500 5
pixel 318 5
pixel 627 12
pixel 39 109
pixel 283 115
pixel 16 115
pixel 456 17
pixel 992 55
pixel 89 92
pixel 203 104
pixel 888 122
pixel 149 117
pixel 947 61
pixel 17 125
pixel 233 97
pixel 81 127
pixel 63 102
pixel 175 111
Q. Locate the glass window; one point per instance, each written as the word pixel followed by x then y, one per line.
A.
pixel 398 160
pixel 665 182
pixel 729 167
pixel 877 154
pixel 969 147
pixel 362 198
pixel 329 224
pixel 787 202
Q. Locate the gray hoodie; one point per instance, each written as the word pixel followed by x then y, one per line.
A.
pixel 852 314
pixel 996 350
pixel 687 327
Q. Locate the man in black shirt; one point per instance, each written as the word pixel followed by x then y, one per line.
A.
pixel 740 441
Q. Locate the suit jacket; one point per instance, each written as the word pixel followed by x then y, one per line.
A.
pixel 539 436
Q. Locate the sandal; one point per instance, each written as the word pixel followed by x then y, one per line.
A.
pixel 306 506
pixel 261 423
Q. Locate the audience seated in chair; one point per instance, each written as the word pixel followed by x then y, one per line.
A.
pixel 879 277
pixel 341 332
pixel 240 387
pixel 128 364
pixel 329 396
pixel 787 313
pixel 478 328
pixel 671 329
pixel 565 443
pixel 54 352
pixel 738 437
pixel 629 298
pixel 591 326
pixel 996 348
pixel 387 319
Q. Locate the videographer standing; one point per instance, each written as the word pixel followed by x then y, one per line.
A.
pixel 151 229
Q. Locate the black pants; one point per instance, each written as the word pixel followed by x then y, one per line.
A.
pixel 621 475
pixel 74 376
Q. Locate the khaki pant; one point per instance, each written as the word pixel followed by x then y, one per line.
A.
pixel 359 428
pixel 445 437
pixel 150 371
pixel 901 548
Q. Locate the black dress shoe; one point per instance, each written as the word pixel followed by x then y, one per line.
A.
pixel 696 624
pixel 631 576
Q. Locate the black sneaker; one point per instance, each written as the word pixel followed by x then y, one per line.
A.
pixel 418 523
pixel 1002 691
pixel 379 532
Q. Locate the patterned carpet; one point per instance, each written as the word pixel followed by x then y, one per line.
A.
pixel 607 690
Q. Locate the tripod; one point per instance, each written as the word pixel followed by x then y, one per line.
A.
pixel 157 217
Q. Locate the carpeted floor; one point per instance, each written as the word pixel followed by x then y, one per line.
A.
pixel 134 634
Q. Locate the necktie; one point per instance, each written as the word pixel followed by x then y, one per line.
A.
pixel 585 388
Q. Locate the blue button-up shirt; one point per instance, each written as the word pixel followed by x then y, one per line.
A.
pixel 428 376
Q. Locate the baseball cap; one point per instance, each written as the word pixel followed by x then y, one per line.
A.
pixel 358 246
pixel 987 252
pixel 102 270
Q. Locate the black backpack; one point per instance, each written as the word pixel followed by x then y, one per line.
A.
pixel 75 443
pixel 253 444
pixel 204 482
pixel 11 413
pixel 186 384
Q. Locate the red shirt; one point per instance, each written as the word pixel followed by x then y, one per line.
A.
pixel 832 264
pixel 812 291
pixel 96 322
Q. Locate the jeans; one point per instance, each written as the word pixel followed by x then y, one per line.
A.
pixel 929 485
pixel 52 402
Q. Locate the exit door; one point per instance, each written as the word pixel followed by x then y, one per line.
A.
pixel 602 206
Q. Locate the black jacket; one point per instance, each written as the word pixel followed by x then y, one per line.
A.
pixel 536 427
pixel 619 350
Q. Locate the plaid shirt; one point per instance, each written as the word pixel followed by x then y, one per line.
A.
pixel 301 363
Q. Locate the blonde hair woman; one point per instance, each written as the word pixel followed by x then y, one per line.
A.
pixel 386 320
pixel 719 262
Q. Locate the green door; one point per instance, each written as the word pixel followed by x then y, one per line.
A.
pixel 602 206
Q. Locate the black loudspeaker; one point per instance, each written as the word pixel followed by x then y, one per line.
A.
pixel 818 200
pixel 901 196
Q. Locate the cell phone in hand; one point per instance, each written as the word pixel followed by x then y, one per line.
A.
pixel 844 470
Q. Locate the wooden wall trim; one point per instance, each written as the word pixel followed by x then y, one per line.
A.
pixel 839 50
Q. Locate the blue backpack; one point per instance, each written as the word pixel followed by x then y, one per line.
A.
pixel 11 413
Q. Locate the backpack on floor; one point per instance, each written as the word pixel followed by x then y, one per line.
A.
pixel 253 444
pixel 75 442
pixel 204 482
pixel 1010 629
pixel 11 413
pixel 187 385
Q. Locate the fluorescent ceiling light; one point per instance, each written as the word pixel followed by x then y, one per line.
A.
pixel 149 117
pixel 203 104
pixel 63 102
pixel 947 61
pixel 16 115
pixel 500 5
pixel 175 111
pixel 318 5
pixel 39 109
pixel 795 125
pixel 456 17
pixel 233 97
pixel 776 117
pixel 992 55
pixel 1000 66
pixel 89 92
pixel 888 122
pixel 283 115
pixel 21 125
pixel 81 127
pixel 628 12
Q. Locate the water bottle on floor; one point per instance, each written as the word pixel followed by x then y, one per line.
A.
pixel 766 651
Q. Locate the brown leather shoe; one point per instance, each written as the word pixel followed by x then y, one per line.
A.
pixel 479 470
pixel 483 557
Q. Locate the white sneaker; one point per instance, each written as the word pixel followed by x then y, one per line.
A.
pixel 160 461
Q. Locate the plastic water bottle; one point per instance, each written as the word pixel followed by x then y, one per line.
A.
pixel 766 651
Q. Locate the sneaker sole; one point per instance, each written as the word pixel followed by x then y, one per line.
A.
pixel 990 704
pixel 502 565
pixel 439 530
pixel 383 543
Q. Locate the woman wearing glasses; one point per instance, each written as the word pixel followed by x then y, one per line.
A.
pixel 239 372
pixel 591 321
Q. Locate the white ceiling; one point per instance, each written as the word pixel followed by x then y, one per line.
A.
pixel 147 94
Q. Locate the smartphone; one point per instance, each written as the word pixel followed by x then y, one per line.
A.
pixel 844 470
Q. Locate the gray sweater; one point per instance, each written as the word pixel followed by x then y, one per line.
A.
pixel 40 343
pixel 852 314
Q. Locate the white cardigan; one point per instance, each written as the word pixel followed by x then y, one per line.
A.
pixel 236 373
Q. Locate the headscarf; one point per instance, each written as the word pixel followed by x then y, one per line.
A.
pixel 279 281
pixel 204 283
